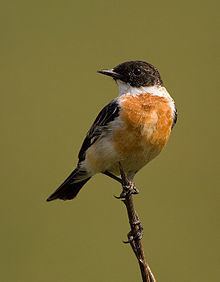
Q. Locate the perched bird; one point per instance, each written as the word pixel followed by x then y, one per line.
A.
pixel 132 129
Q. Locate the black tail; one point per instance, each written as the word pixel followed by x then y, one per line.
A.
pixel 70 187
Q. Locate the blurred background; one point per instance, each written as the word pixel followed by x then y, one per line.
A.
pixel 50 94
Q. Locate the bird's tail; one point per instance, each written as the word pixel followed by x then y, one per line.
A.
pixel 70 187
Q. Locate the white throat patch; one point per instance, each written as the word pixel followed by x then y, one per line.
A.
pixel 156 90
pixel 126 88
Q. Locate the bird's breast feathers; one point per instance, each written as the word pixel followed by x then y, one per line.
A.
pixel 136 135
pixel 147 118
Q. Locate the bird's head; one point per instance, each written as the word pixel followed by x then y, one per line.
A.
pixel 135 74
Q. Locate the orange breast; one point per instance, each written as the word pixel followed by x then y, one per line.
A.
pixel 147 122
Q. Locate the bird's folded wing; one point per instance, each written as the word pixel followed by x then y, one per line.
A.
pixel 107 114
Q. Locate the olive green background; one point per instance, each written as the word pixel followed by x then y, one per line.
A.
pixel 50 94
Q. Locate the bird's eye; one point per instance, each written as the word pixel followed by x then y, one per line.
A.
pixel 137 71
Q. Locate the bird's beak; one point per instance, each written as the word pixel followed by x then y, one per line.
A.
pixel 111 73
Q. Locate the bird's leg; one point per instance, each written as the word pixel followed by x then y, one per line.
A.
pixel 112 176
pixel 128 185
pixel 128 190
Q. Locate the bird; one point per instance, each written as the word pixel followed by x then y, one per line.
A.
pixel 131 130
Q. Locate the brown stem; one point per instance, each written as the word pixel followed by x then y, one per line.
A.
pixel 135 235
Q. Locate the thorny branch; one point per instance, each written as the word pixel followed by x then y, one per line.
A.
pixel 135 234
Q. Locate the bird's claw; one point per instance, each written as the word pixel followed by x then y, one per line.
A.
pixel 118 197
pixel 128 190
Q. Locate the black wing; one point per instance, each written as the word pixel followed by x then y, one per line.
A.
pixel 175 117
pixel 107 114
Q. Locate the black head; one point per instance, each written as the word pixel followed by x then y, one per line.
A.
pixel 136 73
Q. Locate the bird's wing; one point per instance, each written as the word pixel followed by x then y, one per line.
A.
pixel 107 114
pixel 175 117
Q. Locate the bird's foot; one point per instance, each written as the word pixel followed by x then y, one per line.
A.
pixel 128 190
